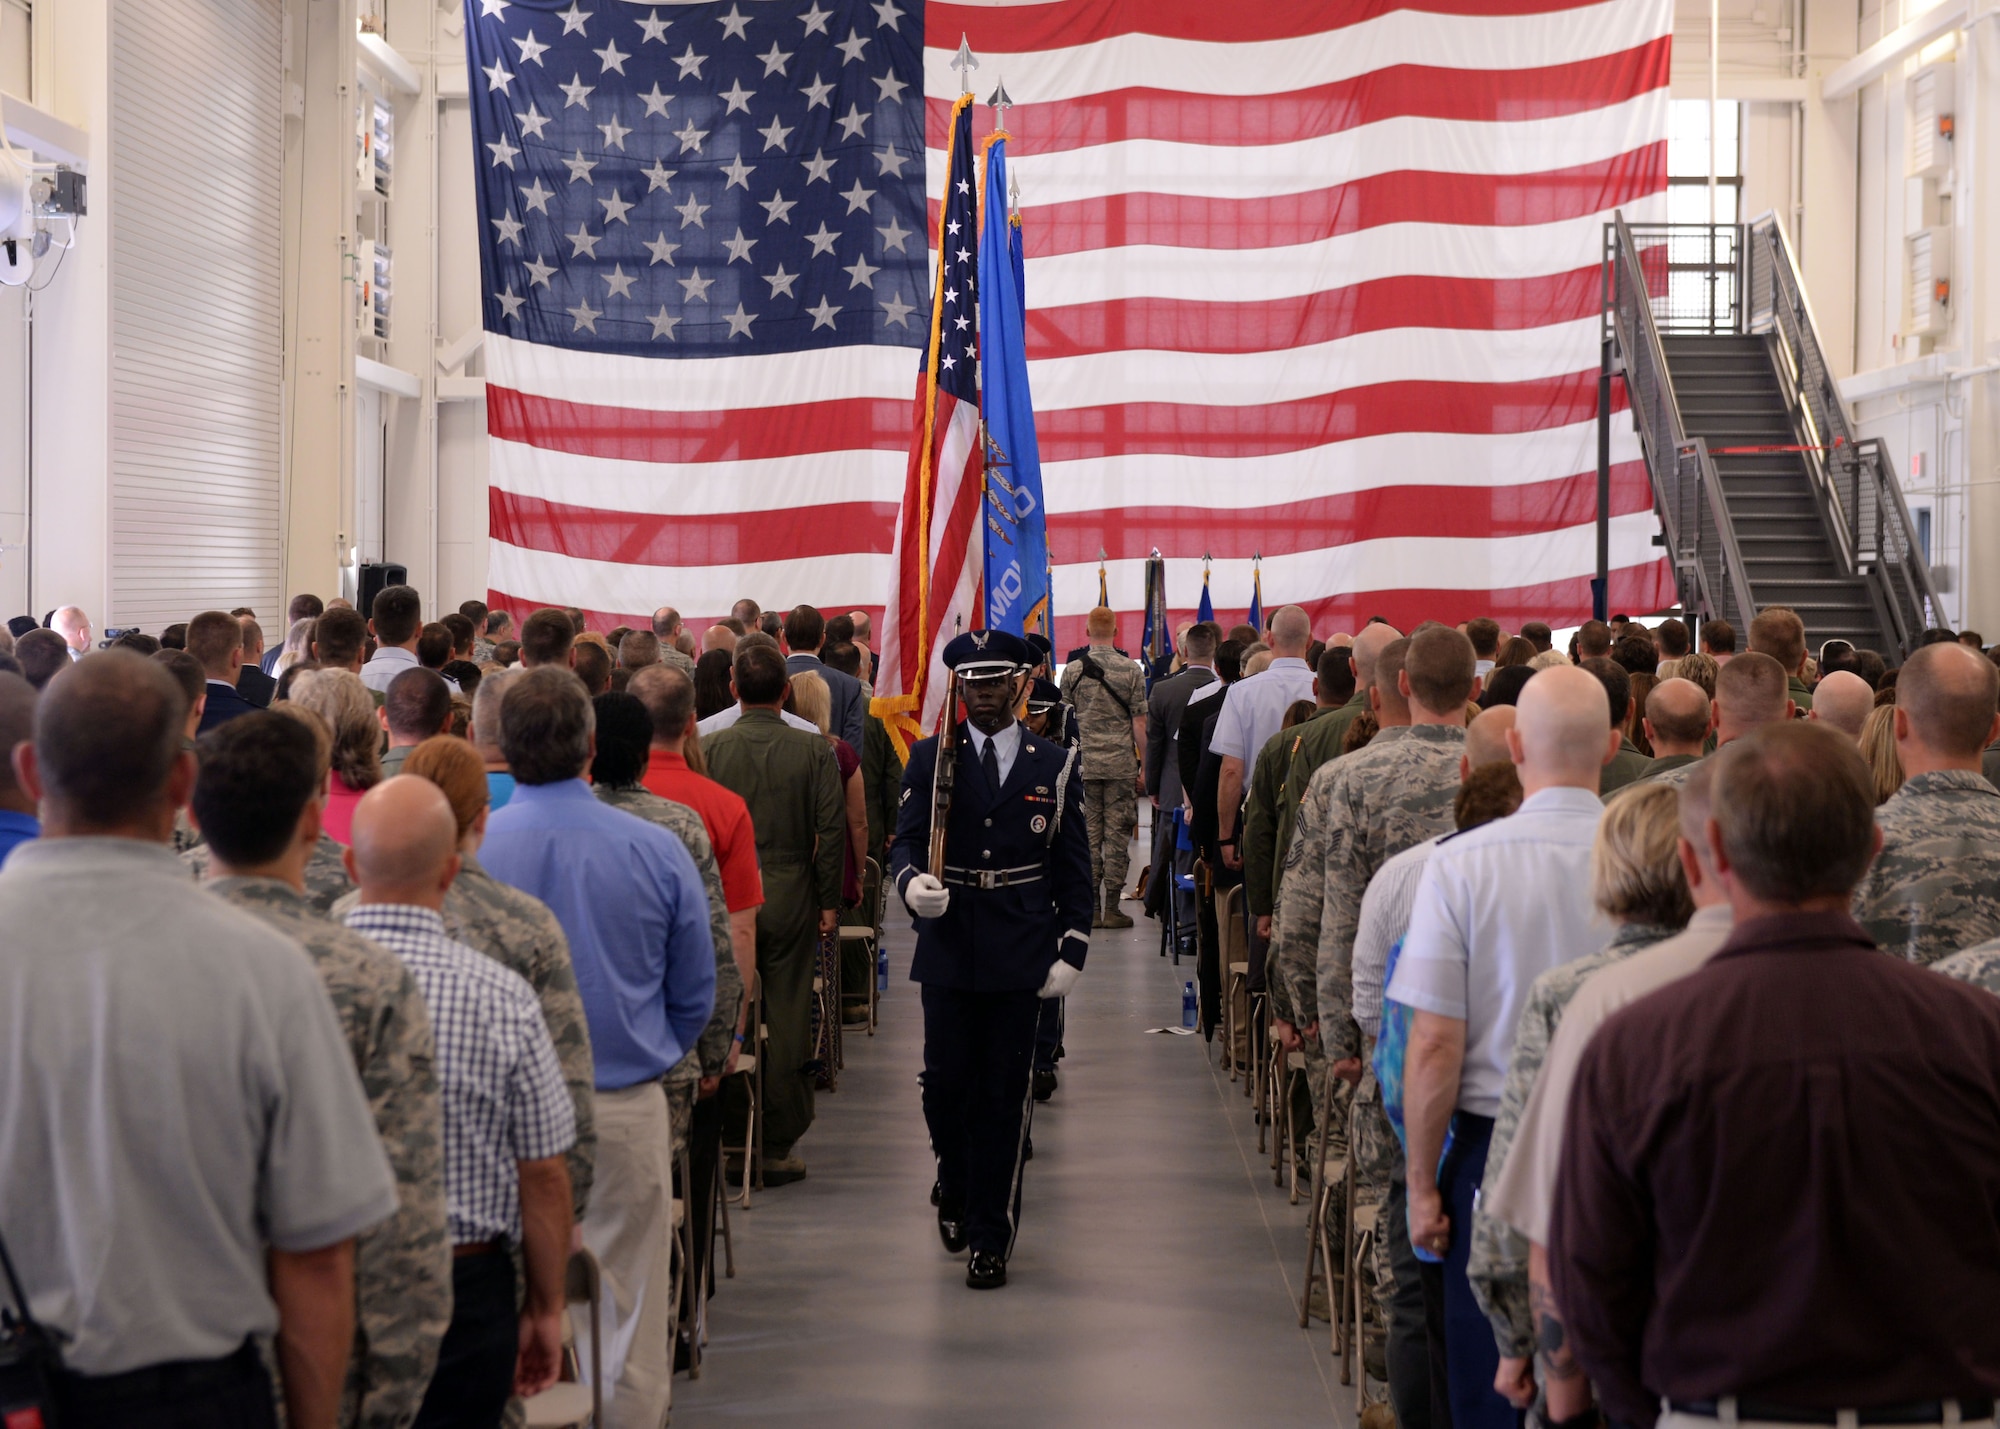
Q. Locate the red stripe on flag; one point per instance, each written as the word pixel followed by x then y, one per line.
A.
pixel 798 533
pixel 1017 29
pixel 1399 91
pixel 1404 196
pixel 743 434
pixel 1189 325
pixel 1166 428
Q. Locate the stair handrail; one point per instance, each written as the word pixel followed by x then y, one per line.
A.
pixel 1685 485
pixel 1856 477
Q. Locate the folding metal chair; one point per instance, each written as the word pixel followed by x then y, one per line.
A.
pixel 1235 960
pixel 750 1067
pixel 1174 935
pixel 1321 1257
pixel 867 934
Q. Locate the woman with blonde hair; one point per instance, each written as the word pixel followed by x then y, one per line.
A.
pixel 1878 749
pixel 339 698
pixel 1637 884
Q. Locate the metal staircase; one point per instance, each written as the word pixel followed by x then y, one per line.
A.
pixel 1766 496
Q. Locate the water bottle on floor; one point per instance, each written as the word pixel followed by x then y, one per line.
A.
pixel 1188 1005
pixel 881 969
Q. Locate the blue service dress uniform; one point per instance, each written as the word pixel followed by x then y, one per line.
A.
pixel 1017 862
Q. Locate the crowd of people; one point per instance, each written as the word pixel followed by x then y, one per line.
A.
pixel 1766 1193
pixel 538 873
pixel 535 874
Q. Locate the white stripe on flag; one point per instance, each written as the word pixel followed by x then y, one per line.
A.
pixel 1401 37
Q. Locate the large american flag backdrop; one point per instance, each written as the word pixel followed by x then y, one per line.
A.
pixel 1315 280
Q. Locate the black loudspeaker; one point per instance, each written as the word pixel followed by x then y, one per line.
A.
pixel 376 579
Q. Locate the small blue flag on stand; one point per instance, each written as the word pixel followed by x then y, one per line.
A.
pixel 1206 610
pixel 1016 525
pixel 1257 593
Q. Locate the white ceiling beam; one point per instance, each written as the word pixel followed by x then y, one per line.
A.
pixel 1879 58
pixel 40 132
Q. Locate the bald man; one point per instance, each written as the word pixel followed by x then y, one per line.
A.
pixel 1844 700
pixel 74 626
pixel 1678 719
pixel 718 637
pixel 507 1113
pixel 1935 887
pixel 1751 691
pixel 1498 906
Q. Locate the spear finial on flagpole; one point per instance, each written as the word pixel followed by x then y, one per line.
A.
pixel 1014 193
pixel 965 63
pixel 1001 101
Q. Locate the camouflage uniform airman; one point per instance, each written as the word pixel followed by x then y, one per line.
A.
pixel 1105 711
pixel 1498 1264
pixel 402 1268
pixel 712 1048
pixel 1357 813
pixel 326 874
pixel 1935 887
pixel 1978 965
pixel 519 932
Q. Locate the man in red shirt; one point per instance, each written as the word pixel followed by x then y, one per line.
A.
pixel 668 695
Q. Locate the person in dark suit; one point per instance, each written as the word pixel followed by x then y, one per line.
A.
pixel 805 631
pixel 215 641
pixel 1002 926
pixel 1200 779
pixel 1165 707
pixel 251 680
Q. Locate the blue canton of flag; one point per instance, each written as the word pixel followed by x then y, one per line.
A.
pixel 685 180
pixel 957 316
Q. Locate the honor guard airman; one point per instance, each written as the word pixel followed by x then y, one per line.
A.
pixel 1003 922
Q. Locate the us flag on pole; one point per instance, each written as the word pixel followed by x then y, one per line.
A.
pixel 703 255
pixel 1320 279
pixel 934 582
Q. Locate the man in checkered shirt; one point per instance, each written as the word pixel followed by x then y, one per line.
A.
pixel 507 1112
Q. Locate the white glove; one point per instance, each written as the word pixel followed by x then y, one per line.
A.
pixel 1062 977
pixel 924 896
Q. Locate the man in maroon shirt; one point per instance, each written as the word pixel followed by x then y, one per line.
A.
pixel 1779 1195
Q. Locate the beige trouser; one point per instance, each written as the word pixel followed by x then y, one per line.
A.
pixel 630 1229
pixel 1726 1418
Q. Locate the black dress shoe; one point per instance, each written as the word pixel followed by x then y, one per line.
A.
pixel 937 1192
pixel 951 1228
pixel 1045 1084
pixel 987 1271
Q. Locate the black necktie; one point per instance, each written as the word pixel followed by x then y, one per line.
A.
pixel 990 762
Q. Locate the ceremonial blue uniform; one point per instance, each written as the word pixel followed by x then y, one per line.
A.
pixel 1017 862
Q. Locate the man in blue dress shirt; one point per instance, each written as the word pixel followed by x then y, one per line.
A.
pixel 633 908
